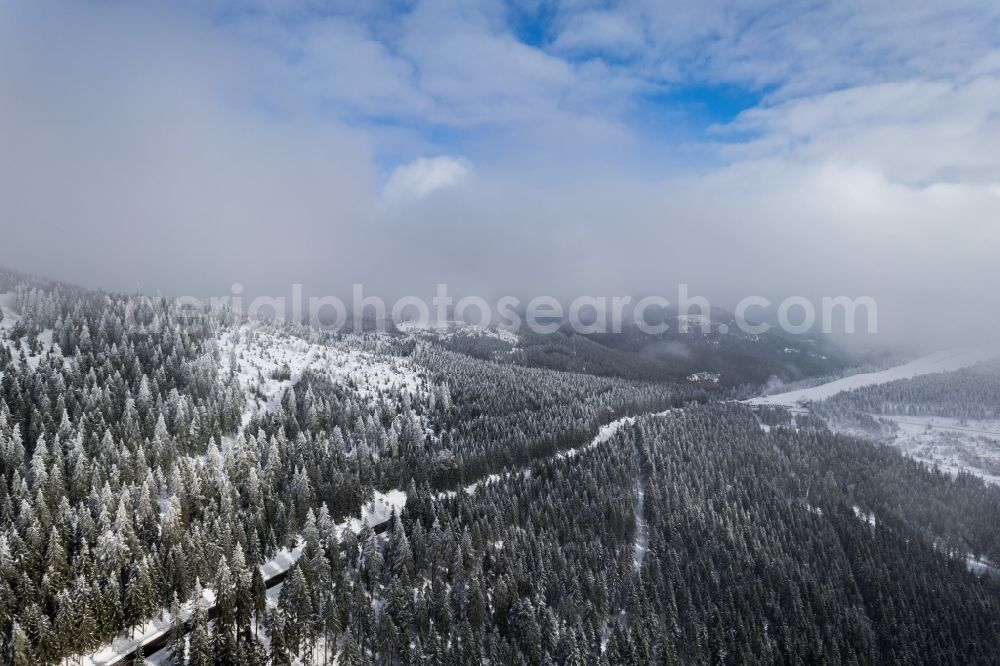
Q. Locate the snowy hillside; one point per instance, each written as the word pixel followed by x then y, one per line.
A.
pixel 449 330
pixel 10 319
pixel 269 360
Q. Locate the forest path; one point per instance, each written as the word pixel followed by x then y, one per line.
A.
pixel 641 524
pixel 641 487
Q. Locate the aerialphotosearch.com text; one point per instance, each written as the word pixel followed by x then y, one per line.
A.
pixel 654 315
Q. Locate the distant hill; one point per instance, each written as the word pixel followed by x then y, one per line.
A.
pixel 730 358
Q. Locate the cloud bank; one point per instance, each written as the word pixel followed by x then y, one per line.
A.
pixel 186 146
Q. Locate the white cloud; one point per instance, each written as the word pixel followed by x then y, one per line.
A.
pixel 872 167
pixel 602 31
pixel 120 144
pixel 441 63
pixel 916 132
pixel 423 176
pixel 804 48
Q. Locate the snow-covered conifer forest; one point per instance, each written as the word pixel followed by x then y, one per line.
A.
pixel 458 332
pixel 188 487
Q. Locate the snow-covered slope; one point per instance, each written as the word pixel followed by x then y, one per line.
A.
pixel 10 319
pixel 260 351
pixel 944 361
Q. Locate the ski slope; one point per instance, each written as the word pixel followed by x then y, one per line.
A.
pixel 943 361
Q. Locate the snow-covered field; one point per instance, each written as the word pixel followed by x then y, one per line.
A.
pixel 952 444
pixel 943 361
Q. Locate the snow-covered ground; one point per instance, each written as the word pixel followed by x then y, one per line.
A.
pixel 155 628
pixel 261 352
pixel 866 516
pixel 10 318
pixel 952 444
pixel 982 566
pixel 943 361
pixel 641 526
pixel 259 355
pixel 378 509
pixel 281 562
pixel 605 433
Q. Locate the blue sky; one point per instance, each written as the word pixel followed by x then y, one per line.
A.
pixel 569 146
pixel 590 65
pixel 453 76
